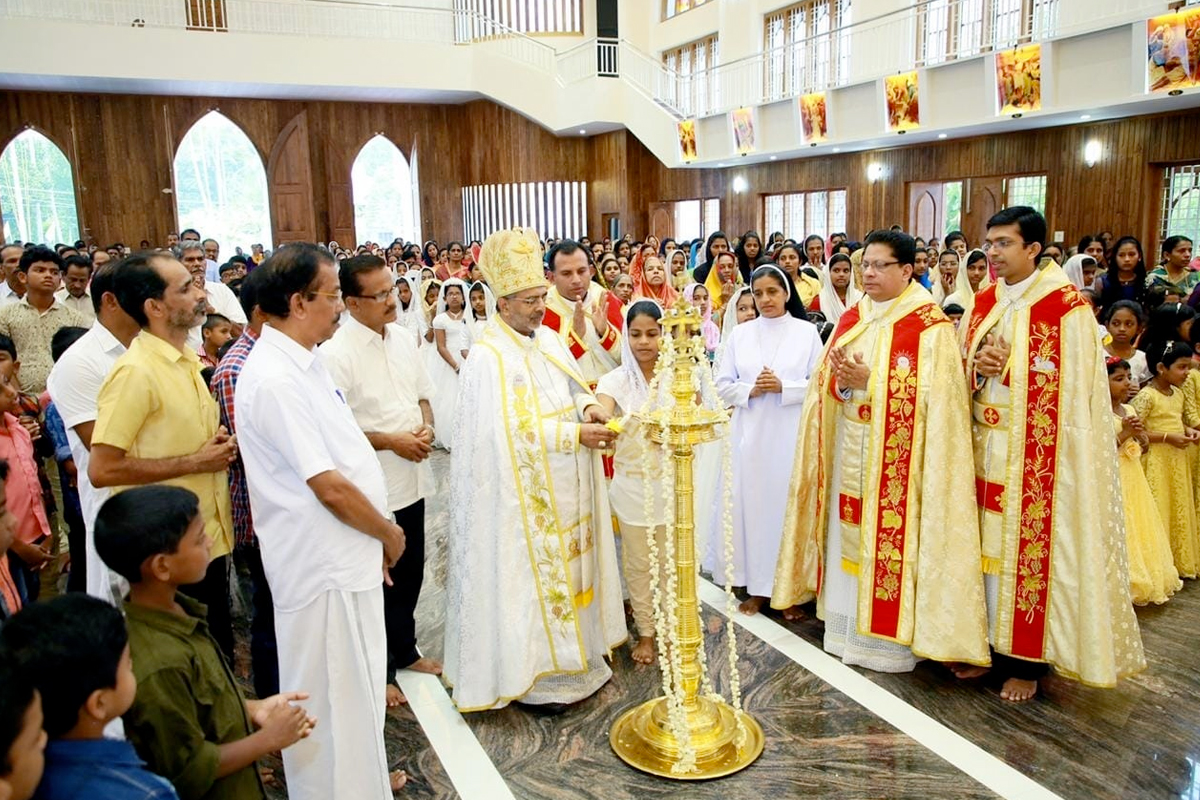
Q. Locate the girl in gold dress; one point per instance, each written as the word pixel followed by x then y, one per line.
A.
pixel 1167 462
pixel 1152 574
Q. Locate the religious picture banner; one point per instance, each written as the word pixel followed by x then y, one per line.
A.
pixel 902 101
pixel 814 121
pixel 1019 79
pixel 687 140
pixel 1191 29
pixel 743 122
pixel 1168 62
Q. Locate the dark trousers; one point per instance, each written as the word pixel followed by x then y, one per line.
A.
pixel 264 654
pixel 213 591
pixel 400 599
pixel 76 539
pixel 1008 667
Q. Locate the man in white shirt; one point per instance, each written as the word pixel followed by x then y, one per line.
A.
pixel 375 363
pixel 74 384
pixel 320 513
pixel 77 273
pixel 212 260
pixel 221 299
pixel 11 288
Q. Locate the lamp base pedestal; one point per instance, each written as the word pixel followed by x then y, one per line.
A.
pixel 643 739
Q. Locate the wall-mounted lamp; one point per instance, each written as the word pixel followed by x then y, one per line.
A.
pixel 1092 152
pixel 874 171
pixel 740 185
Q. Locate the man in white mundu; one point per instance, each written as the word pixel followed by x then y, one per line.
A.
pixel 534 598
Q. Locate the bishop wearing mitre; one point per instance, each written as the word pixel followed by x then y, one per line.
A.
pixel 534 601
pixel 881 526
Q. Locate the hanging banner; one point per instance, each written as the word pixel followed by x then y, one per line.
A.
pixel 687 140
pixel 1019 79
pixel 903 106
pixel 1191 30
pixel 742 120
pixel 1168 63
pixel 814 122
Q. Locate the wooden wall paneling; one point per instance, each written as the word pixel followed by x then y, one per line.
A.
pixel 289 182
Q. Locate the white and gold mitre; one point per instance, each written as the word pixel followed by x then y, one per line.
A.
pixel 511 261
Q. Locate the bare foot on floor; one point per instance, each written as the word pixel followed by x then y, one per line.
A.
pixel 399 779
pixel 793 614
pixel 965 672
pixel 752 605
pixel 643 652
pixel 426 665
pixel 395 697
pixel 1019 691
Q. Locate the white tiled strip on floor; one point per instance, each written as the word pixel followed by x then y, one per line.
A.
pixel 980 765
pixel 467 765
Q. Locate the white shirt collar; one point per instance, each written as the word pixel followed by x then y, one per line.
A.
pixel 289 346
pixel 105 338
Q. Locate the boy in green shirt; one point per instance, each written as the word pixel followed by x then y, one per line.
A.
pixel 189 721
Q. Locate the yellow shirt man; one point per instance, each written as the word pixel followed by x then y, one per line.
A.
pixel 154 404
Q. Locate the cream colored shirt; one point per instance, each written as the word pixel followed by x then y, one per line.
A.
pixel 31 331
pixel 384 381
pixel 81 305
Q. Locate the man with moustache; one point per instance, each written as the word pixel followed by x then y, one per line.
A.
pixel 534 598
pixel 320 505
pixel 375 363
pixel 582 313
pixel 156 421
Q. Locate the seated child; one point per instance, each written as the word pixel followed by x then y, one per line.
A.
pixel 22 739
pixel 189 720
pixel 76 649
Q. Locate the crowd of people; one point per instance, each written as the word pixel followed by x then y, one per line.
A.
pixel 171 422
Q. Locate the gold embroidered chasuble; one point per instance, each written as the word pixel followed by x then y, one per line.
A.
pixel 533 588
pixel 1052 525
pixel 902 489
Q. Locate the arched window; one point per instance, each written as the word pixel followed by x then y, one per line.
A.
pixel 221 185
pixel 383 187
pixel 37 194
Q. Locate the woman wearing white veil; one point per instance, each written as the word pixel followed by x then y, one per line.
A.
pixel 410 315
pixel 1074 269
pixel 452 339
pixel 829 302
pixel 963 295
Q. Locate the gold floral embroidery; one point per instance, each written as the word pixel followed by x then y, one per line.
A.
pixel 897 453
pixel 1036 501
pixel 548 556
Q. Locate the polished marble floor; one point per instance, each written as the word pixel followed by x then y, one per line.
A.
pixel 1141 740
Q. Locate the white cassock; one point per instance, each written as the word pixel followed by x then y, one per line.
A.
pixel 534 597
pixel 764 443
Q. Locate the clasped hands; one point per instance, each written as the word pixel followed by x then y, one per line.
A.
pixel 767 382
pixel 415 445
pixel 851 372
pixel 992 356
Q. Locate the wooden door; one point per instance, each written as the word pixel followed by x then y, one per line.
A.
pixel 289 183
pixel 206 15
pixel 661 220
pixel 926 209
pixel 982 198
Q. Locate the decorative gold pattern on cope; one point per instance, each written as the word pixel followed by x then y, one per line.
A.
pixel 643 736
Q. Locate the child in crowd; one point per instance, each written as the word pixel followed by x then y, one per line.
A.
pixel 56 431
pixel 452 340
pixel 697 295
pixel 483 308
pixel 1124 322
pixel 216 332
pixel 955 312
pixel 189 720
pixel 624 391
pixel 32 544
pixel 76 649
pixel 22 740
pixel 1168 466
pixel 10 595
pixel 1152 574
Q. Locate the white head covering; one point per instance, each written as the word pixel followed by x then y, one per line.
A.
pixel 626 384
pixel 412 318
pixel 962 294
pixel 461 284
pixel 489 301
pixel 1074 269
pixel 831 305
pixel 729 318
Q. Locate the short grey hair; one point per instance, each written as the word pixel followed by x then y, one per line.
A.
pixel 187 246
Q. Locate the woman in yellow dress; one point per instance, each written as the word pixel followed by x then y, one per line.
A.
pixel 1152 574
pixel 1167 462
